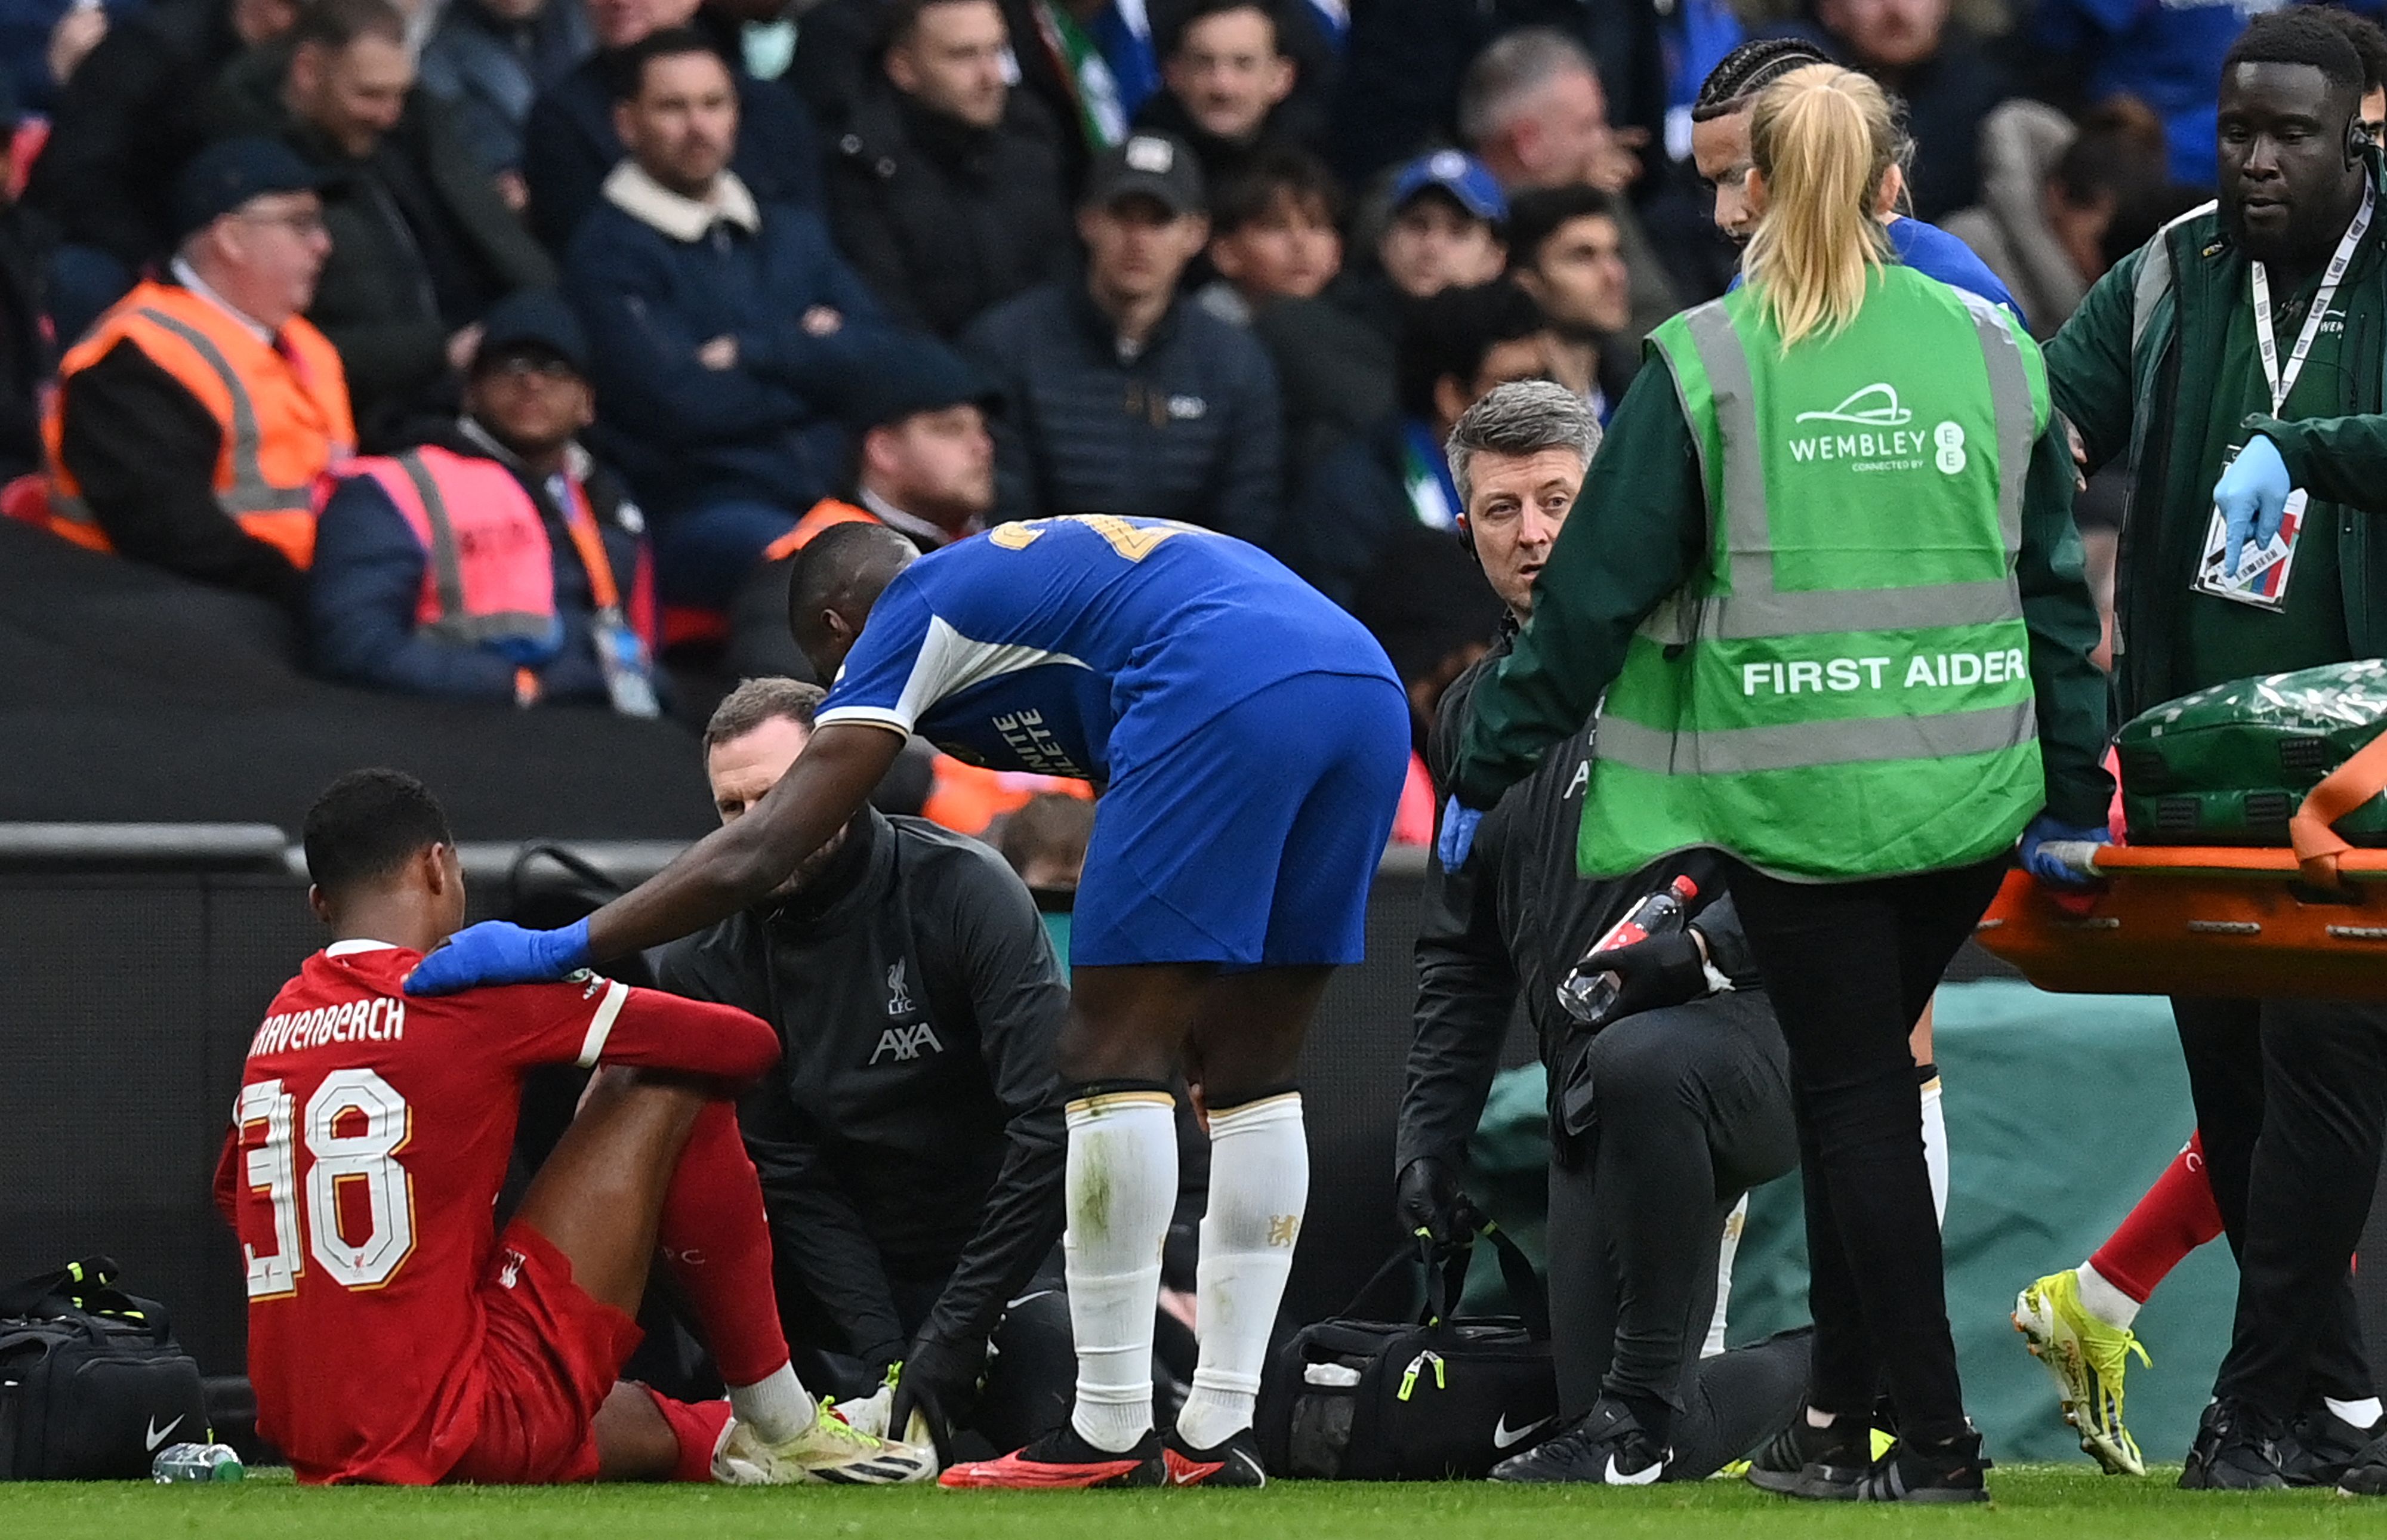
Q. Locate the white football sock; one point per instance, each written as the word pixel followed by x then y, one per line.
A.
pixel 777 1408
pixel 1259 1186
pixel 2100 1298
pixel 1935 1148
pixel 1733 1223
pixel 2364 1413
pixel 1121 1190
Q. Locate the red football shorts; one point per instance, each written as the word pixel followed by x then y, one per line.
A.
pixel 550 1358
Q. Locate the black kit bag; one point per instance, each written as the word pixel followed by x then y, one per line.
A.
pixel 92 1382
pixel 1437 1398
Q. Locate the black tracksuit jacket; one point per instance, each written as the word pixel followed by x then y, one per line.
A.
pixel 913 1130
pixel 1512 923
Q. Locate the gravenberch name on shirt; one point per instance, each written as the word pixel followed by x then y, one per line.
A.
pixel 376 1020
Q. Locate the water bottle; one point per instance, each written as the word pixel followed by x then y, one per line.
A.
pixel 1588 993
pixel 196 1462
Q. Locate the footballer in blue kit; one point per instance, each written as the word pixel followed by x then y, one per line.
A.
pixel 1249 737
pixel 1250 741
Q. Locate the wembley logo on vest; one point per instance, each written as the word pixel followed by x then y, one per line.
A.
pixel 1885 444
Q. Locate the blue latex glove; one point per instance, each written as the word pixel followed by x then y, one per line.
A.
pixel 2252 496
pixel 2046 830
pixel 496 952
pixel 1457 839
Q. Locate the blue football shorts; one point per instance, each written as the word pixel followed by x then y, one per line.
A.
pixel 1252 840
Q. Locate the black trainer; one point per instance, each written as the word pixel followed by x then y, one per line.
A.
pixel 1822 1463
pixel 2365 1474
pixel 2321 1446
pixel 1947 1472
pixel 2237 1450
pixel 1606 1445
pixel 1234 1462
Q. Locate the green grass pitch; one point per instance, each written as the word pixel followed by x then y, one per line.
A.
pixel 2035 1501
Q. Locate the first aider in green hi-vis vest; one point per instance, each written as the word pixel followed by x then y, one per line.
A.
pixel 1842 689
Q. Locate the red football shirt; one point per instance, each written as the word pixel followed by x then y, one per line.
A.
pixel 371 1136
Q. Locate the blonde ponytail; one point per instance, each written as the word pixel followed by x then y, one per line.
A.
pixel 1822 137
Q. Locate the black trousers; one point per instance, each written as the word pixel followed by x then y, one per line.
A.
pixel 1031 1374
pixel 1690 1108
pixel 1849 967
pixel 2291 1098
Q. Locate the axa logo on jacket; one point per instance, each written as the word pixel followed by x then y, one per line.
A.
pixel 281 408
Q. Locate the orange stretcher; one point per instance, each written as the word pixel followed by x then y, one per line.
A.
pixel 2308 921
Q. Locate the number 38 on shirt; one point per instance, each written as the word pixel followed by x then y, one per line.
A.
pixel 356 1216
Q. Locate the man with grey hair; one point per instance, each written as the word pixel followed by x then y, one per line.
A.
pixel 910 1140
pixel 1532 109
pixel 1692 1104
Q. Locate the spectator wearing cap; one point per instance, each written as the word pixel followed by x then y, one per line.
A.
pixel 1566 251
pixel 489 59
pixel 497 562
pixel 1227 86
pixel 923 465
pixel 192 424
pixel 944 189
pixel 123 129
pixel 1447 227
pixel 422 242
pixel 1533 110
pixel 1118 397
pixel 1377 526
pixel 726 329
pixel 571 142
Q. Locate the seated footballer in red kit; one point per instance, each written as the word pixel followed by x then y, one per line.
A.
pixel 395 1333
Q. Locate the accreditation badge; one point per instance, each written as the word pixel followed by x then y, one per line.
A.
pixel 2261 580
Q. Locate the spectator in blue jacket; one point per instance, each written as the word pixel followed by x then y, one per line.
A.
pixel 389 609
pixel 1119 398
pixel 489 59
pixel 569 142
pixel 726 330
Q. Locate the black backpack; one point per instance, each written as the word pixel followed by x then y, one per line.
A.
pixel 1357 1399
pixel 92 1382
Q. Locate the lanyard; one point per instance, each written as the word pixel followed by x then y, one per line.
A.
pixel 2267 346
pixel 581 521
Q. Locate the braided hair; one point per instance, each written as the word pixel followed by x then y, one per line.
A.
pixel 1733 83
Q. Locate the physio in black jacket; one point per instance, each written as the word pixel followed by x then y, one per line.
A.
pixel 1689 1100
pixel 910 1142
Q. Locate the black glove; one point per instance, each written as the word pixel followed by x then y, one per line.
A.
pixel 939 1380
pixel 1430 1200
pixel 1650 975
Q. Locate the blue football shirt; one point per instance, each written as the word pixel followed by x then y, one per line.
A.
pixel 1934 253
pixel 1071 645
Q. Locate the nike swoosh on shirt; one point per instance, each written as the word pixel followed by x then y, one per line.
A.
pixel 1503 1435
pixel 157 1435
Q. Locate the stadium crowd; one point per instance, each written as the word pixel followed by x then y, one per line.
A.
pixel 526 351
pixel 938 264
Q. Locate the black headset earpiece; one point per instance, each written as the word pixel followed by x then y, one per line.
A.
pixel 2358 139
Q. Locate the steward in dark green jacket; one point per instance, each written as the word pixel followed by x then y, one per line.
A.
pixel 2158 367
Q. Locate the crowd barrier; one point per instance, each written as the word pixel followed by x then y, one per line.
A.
pixel 135 962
